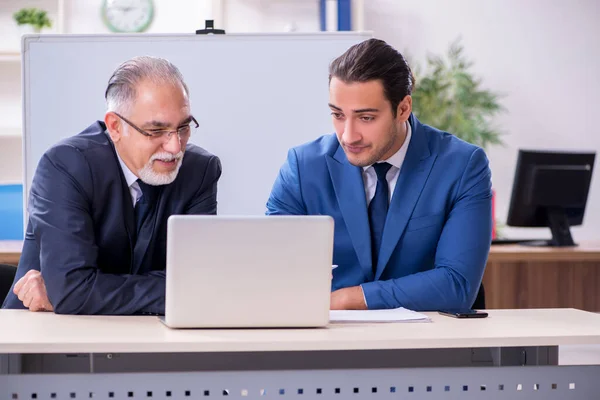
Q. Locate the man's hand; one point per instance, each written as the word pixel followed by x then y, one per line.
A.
pixel 351 298
pixel 31 290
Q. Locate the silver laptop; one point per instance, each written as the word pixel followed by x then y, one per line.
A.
pixel 248 272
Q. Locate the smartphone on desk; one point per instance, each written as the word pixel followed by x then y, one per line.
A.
pixel 464 313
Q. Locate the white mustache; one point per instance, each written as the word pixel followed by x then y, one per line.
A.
pixel 166 157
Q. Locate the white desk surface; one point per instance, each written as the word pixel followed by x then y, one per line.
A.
pixel 27 332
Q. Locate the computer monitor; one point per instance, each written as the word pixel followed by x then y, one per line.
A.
pixel 550 189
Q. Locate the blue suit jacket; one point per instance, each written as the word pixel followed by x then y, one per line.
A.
pixel 437 234
pixel 80 233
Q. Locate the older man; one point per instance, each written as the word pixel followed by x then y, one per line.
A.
pixel 100 200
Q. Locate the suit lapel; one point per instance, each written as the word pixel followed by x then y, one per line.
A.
pixel 350 192
pixel 411 181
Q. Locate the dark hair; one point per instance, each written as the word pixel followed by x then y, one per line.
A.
pixel 375 59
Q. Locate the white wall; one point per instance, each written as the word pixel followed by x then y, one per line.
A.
pixel 185 16
pixel 544 55
pixel 10 95
pixel 176 16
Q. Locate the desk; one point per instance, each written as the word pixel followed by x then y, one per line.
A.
pixel 540 277
pixel 10 251
pixel 338 362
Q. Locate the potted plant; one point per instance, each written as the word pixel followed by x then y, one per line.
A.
pixel 32 18
pixel 449 97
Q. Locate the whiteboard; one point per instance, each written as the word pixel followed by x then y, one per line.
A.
pixel 254 95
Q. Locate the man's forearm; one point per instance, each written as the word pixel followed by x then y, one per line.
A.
pixel 108 294
pixel 431 290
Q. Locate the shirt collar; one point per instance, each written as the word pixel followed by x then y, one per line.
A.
pixel 130 177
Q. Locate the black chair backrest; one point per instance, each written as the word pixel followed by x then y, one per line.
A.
pixel 479 303
pixel 7 276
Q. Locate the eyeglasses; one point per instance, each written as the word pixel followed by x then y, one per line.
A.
pixel 184 132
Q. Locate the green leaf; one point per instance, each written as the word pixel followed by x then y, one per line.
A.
pixel 449 97
pixel 32 16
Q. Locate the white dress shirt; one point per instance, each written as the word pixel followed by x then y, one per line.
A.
pixel 131 179
pixel 370 176
pixel 396 160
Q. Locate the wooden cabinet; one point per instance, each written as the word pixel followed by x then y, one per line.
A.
pixel 536 277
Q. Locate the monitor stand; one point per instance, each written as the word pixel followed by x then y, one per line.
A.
pixel 559 226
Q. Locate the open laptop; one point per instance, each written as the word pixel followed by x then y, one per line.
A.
pixel 249 271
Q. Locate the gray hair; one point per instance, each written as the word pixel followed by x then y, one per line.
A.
pixel 121 88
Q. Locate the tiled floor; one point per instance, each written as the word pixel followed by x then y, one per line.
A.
pixel 579 355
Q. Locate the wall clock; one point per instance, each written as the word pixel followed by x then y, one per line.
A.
pixel 128 15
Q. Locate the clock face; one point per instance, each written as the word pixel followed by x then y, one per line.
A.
pixel 128 15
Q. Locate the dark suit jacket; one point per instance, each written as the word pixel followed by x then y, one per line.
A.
pixel 81 229
pixel 438 230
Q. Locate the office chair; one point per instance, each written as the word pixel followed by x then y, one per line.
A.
pixel 7 276
pixel 479 303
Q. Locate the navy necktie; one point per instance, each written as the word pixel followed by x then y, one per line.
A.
pixel 378 209
pixel 143 205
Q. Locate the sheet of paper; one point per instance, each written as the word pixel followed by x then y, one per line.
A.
pixel 395 315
